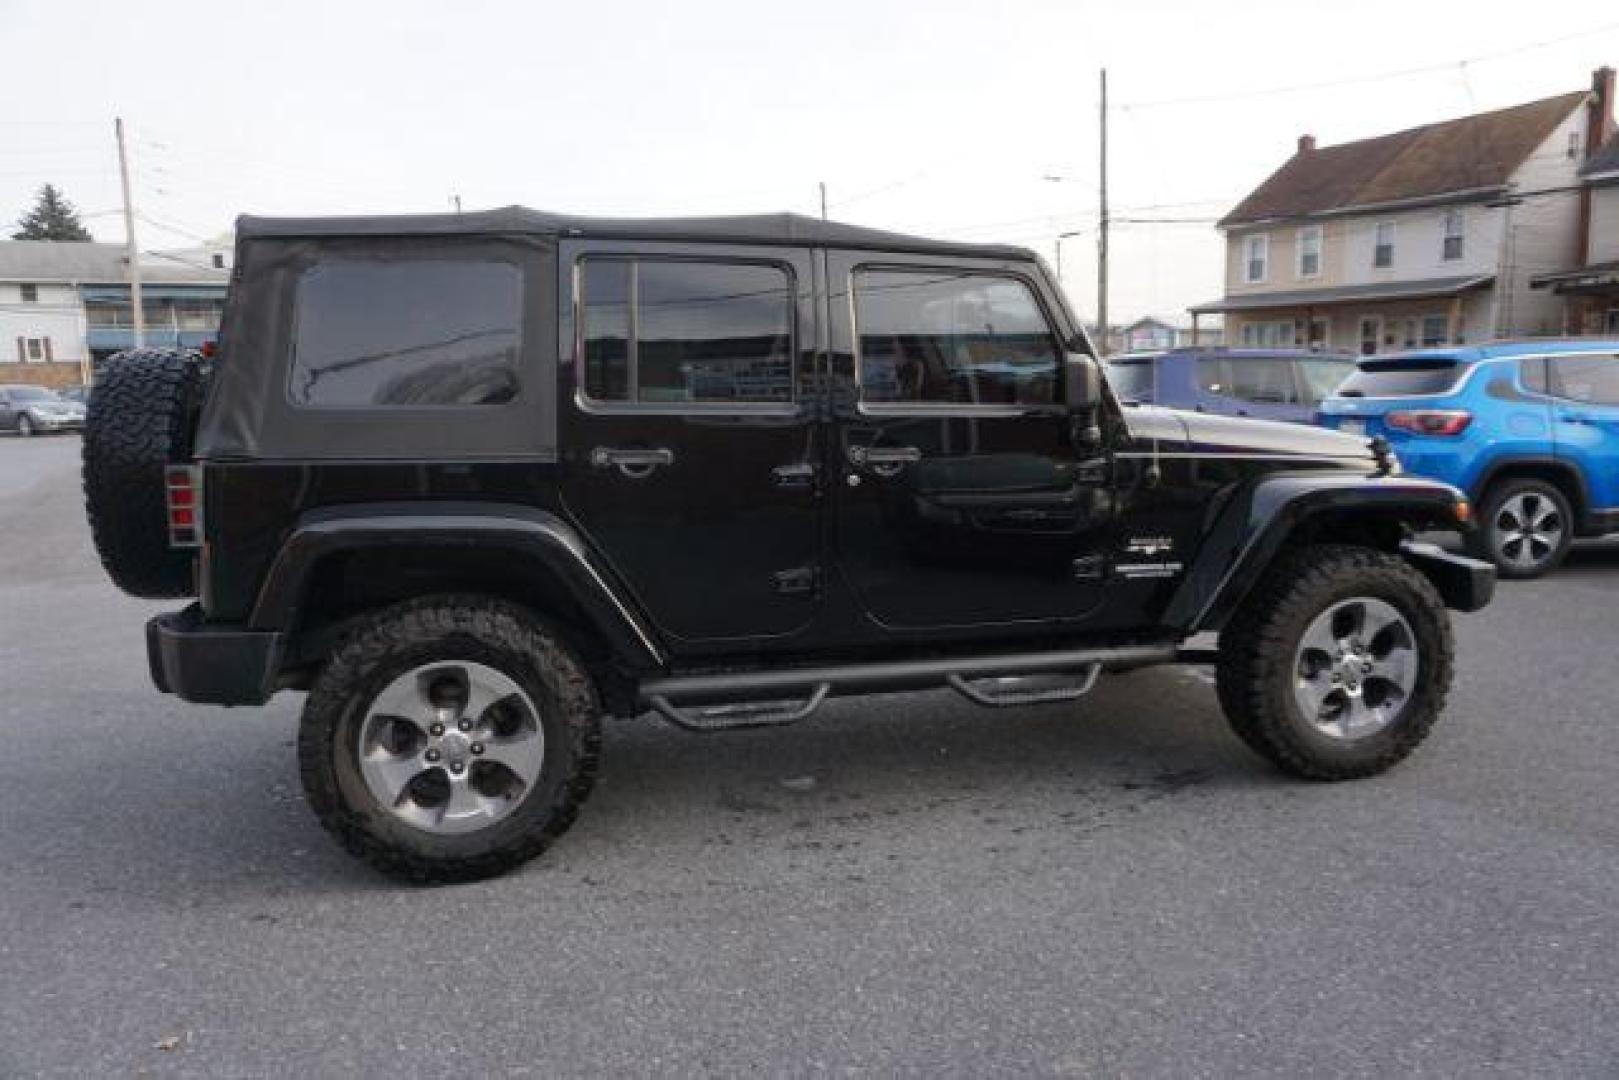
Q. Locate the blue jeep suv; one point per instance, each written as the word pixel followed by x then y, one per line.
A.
pixel 1529 430
pixel 1266 384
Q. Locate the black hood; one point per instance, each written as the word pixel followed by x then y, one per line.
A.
pixel 1201 433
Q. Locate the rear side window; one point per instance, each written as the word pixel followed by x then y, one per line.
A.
pixel 1266 381
pixel 1132 380
pixel 1590 379
pixel 1402 379
pixel 1321 378
pixel 412 334
pixel 948 337
pixel 667 331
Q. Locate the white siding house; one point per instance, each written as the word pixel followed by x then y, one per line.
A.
pixel 1425 237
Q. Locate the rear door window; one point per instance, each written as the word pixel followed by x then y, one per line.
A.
pixel 675 332
pixel 1402 378
pixel 406 334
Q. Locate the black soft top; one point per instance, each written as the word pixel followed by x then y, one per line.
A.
pixel 784 229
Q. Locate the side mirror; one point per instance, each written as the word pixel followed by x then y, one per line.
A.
pixel 1082 393
pixel 1081 382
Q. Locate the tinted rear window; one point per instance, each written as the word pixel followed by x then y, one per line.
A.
pixel 1401 379
pixel 416 333
pixel 1131 379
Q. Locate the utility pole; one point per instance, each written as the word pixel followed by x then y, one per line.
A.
pixel 133 252
pixel 823 200
pixel 1101 230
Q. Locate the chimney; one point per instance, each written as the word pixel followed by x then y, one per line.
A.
pixel 1307 142
pixel 1600 126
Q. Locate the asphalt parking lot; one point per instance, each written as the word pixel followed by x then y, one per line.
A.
pixel 905 884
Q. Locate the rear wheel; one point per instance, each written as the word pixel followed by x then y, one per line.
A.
pixel 1338 664
pixel 449 739
pixel 1526 527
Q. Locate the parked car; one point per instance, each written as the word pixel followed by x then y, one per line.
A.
pixel 1530 430
pixel 474 481
pixel 32 410
pixel 1267 384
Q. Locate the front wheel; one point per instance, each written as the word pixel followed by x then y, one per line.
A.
pixel 449 739
pixel 25 426
pixel 1338 665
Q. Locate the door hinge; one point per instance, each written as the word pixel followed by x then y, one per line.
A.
pixel 797 581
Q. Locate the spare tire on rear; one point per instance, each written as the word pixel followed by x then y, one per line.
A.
pixel 142 417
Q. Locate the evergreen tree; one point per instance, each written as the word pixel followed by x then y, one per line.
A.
pixel 52 218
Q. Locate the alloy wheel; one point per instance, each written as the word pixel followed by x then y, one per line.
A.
pixel 1528 530
pixel 451 747
pixel 1355 668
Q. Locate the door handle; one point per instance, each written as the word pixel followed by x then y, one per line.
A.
pixel 798 474
pixel 634 462
pixel 876 457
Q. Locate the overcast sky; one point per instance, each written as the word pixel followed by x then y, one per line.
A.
pixel 930 116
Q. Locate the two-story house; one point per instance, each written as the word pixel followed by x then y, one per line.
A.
pixel 1590 288
pixel 64 306
pixel 1425 237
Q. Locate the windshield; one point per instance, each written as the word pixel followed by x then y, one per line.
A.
pixel 31 393
pixel 1321 377
pixel 1402 378
pixel 1131 379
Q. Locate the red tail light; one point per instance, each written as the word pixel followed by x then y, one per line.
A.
pixel 1431 421
pixel 182 484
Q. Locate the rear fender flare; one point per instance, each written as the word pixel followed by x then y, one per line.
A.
pixel 1256 524
pixel 496 527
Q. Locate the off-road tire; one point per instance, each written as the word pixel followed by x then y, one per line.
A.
pixel 1258 650
pixel 1483 540
pixel 433 629
pixel 142 416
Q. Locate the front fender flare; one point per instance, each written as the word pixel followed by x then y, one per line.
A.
pixel 1245 539
pixel 495 526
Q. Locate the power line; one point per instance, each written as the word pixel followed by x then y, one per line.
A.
pixel 1358 80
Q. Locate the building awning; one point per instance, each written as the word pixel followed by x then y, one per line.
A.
pixel 1598 277
pixel 120 293
pixel 1347 294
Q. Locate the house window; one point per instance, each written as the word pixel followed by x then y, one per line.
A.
pixel 1454 224
pixel 1383 251
pixel 1270 335
pixel 30 293
pixel 33 350
pixel 1573 145
pixel 1256 250
pixel 1310 251
pixel 1435 329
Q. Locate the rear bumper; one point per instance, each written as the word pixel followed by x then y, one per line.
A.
pixel 212 663
pixel 1465 584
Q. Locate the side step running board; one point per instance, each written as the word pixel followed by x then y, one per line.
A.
pixel 744 714
pixel 724 702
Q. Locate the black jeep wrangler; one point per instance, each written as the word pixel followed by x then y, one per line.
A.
pixel 474 480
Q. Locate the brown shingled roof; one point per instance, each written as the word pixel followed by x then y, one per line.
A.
pixel 1479 151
